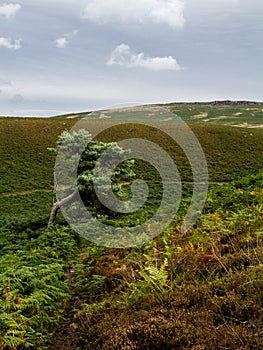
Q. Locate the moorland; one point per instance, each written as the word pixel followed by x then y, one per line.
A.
pixel 199 290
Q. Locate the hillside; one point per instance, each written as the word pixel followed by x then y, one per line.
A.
pixel 246 114
pixel 198 290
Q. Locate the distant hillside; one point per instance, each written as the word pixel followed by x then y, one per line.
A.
pixel 224 103
pixel 247 114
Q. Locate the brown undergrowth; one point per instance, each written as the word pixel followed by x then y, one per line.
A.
pixel 209 295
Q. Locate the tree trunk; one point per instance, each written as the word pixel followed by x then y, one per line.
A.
pixel 59 204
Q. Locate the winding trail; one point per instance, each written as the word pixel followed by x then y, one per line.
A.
pixel 46 190
pixel 22 193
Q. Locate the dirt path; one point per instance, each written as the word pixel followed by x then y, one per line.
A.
pixel 46 190
pixel 22 193
pixel 67 333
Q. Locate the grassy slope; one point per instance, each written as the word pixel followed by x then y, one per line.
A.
pixel 25 162
pixel 239 114
pixel 209 294
pixel 27 165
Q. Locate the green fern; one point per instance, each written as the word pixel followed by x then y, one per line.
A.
pixel 155 277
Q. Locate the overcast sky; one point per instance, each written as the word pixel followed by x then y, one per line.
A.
pixel 69 56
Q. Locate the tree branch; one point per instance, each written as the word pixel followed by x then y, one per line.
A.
pixel 58 205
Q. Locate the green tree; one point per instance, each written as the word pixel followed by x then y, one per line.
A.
pixel 70 145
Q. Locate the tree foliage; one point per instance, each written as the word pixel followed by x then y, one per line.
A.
pixel 89 169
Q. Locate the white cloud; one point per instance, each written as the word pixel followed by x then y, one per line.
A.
pixel 61 43
pixel 169 12
pixel 9 10
pixel 10 44
pixel 123 56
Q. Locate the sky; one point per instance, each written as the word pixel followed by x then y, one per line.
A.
pixel 69 56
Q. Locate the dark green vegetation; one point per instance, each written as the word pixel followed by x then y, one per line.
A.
pixel 69 146
pixel 200 290
pixel 25 162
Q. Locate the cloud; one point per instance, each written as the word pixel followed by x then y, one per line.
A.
pixel 123 56
pixel 9 10
pixel 63 42
pixel 169 12
pixel 10 44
